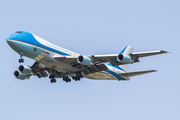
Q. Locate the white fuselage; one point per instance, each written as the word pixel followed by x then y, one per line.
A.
pixel 44 52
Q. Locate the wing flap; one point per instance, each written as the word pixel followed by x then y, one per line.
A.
pixel 72 60
pixel 94 68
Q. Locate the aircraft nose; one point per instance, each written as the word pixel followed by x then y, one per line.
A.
pixel 15 45
pixel 9 37
pixel 12 43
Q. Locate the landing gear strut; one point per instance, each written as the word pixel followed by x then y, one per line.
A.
pixel 52 78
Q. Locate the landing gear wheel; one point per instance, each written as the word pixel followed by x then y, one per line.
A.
pixel 69 80
pixel 51 81
pixel 81 76
pixel 54 80
pixel 80 72
pixel 77 72
pixel 76 78
pixel 53 76
pixel 21 60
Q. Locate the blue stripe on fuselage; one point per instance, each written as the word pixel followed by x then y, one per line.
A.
pixel 29 38
pixel 116 67
pixel 116 75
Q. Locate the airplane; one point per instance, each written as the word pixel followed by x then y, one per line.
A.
pixel 56 62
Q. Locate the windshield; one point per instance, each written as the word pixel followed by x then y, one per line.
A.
pixel 19 32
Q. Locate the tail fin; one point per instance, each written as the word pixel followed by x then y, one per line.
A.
pixel 127 50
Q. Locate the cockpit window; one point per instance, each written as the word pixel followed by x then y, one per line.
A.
pixel 19 32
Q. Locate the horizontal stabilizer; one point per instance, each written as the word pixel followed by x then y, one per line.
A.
pixel 129 74
pixel 150 53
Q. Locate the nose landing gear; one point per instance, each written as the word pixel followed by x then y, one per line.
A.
pixel 21 60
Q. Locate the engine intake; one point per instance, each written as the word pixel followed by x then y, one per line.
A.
pixel 19 75
pixel 25 69
pixel 84 60
pixel 123 58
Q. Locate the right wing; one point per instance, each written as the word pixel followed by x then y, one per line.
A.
pixel 99 60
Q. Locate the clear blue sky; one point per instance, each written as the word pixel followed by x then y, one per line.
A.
pixel 94 27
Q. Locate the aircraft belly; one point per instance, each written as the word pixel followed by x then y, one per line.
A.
pixel 100 76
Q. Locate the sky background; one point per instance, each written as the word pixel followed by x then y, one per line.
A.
pixel 94 27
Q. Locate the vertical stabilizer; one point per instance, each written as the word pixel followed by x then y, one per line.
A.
pixel 127 50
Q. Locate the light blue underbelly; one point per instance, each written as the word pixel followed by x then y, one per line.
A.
pixel 28 50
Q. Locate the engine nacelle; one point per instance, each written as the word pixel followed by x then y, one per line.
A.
pixel 25 69
pixel 84 60
pixel 19 75
pixel 123 58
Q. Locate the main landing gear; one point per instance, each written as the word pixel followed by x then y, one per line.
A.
pixel 78 76
pixel 52 79
pixel 67 79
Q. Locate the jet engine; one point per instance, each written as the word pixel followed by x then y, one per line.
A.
pixel 84 60
pixel 19 75
pixel 123 58
pixel 25 69
pixel 23 72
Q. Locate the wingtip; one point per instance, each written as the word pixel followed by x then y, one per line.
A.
pixel 163 51
pixel 154 70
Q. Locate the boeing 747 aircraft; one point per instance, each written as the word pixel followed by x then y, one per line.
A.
pixel 57 62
